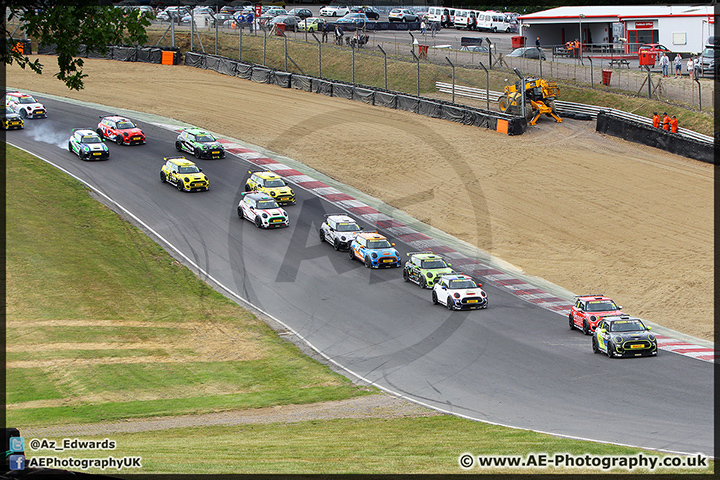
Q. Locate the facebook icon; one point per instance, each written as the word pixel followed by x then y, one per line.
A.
pixel 17 462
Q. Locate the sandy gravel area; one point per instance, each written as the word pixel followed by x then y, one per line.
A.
pixel 590 213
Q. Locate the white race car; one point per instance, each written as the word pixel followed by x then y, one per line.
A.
pixel 262 210
pixel 339 230
pixel 459 292
pixel 25 105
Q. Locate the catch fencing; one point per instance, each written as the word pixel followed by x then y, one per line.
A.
pixel 626 125
pixel 466 115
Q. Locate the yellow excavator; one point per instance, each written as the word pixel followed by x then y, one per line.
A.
pixel 539 98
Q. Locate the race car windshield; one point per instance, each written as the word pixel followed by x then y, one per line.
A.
pixel 372 244
pixel 433 264
pixel 189 169
pixel 348 227
pixel 630 326
pixel 124 125
pixel 456 284
pixel 267 204
pixel 204 138
pixel 601 306
pixel 27 100
pixel 275 183
pixel 91 139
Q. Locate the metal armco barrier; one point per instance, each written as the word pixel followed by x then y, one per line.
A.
pixel 565 108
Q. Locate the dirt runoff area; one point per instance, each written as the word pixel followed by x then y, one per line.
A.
pixel 588 212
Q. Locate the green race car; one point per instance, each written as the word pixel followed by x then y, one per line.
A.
pixel 424 268
pixel 199 143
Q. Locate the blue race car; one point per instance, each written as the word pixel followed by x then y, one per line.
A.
pixel 375 250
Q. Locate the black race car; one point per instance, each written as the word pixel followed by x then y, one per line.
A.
pixel 623 336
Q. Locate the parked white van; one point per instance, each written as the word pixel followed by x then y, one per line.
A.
pixel 440 15
pixel 465 19
pixel 494 22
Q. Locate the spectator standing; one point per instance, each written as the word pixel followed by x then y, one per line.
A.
pixel 673 124
pixel 339 35
pixel 678 65
pixel 423 27
pixel 666 122
pixel 656 120
pixel 665 64
pixel 690 67
pixel 433 29
pixel 324 27
pixel 537 42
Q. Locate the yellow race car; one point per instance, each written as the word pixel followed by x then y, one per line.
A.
pixel 272 184
pixel 11 120
pixel 184 174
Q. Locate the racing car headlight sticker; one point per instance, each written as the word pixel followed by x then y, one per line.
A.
pixel 264 215
pixel 593 318
pixel 273 193
pixel 618 339
pixel 651 337
pixel 429 274
pixel 342 237
pixel 185 179
pixel 483 294
pixel 456 295
pixel 374 255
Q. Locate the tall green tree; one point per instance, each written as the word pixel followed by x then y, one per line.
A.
pixel 73 28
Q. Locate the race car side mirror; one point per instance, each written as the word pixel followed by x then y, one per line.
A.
pixel 449 264
pixel 619 307
pixel 444 287
pixel 602 330
pixel 362 228
pixel 392 244
pixel 649 327
pixel 199 169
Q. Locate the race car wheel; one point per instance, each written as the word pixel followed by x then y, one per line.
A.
pixel 163 179
pixel 594 345
pixel 406 277
pixel 258 222
pixel 367 262
pixel 178 147
pixel 180 185
pixel 321 234
pixel 586 329
pixel 434 298
pixel 571 322
pixel 247 188
pixel 422 282
pixel 70 147
pixel 99 132
pixel 23 113
pixel 118 139
pixel 336 244
pixel 196 152
pixel 449 304
pixel 240 214
pixel 610 349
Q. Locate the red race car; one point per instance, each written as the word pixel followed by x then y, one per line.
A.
pixel 121 130
pixel 589 310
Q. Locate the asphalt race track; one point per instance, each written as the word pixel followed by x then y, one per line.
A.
pixel 513 364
